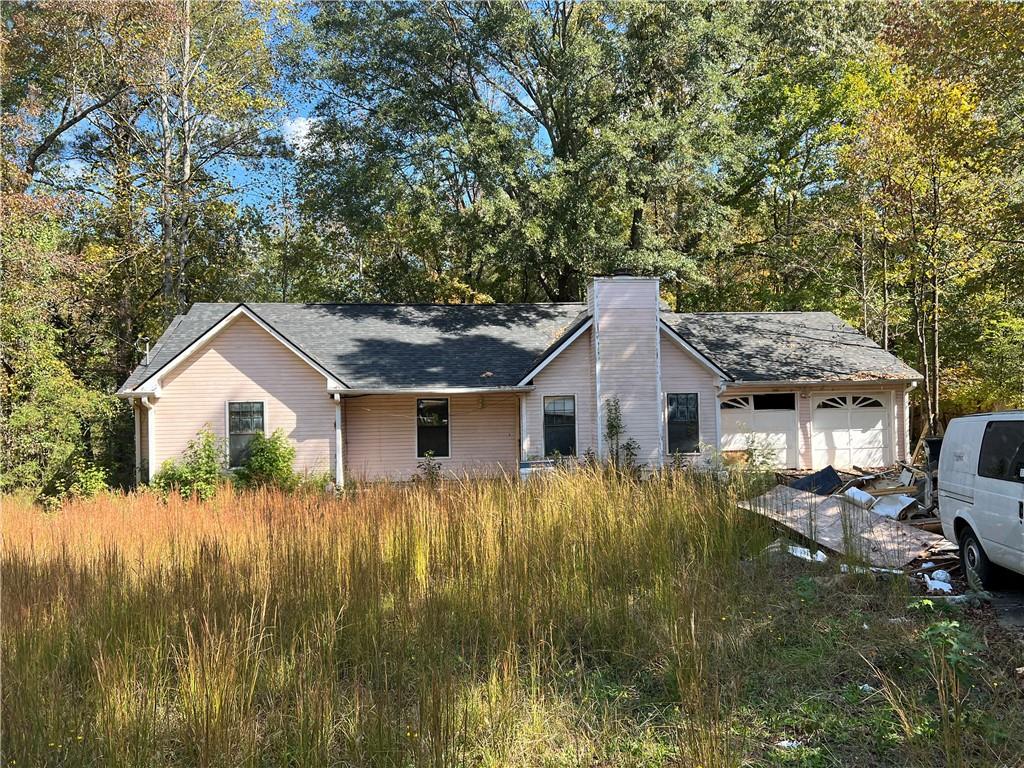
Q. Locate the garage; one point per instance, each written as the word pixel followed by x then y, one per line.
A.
pixel 765 422
pixel 851 430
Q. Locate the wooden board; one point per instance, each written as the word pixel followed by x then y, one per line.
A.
pixel 843 528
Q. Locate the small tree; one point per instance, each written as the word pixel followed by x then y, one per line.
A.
pixel 621 452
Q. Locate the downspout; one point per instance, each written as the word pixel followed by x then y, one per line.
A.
pixel 150 437
pixel 138 442
pixel 339 457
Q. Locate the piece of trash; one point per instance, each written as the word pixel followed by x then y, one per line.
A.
pixel 844 568
pixel 787 744
pixel 934 585
pixel 941 575
pixel 865 625
pixel 891 506
pixel 860 498
pixel 805 554
pixel 928 564
pixel 865 688
pixel 822 483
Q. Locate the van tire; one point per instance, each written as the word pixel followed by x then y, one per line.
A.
pixel 973 558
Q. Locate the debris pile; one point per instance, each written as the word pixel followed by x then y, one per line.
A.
pixel 887 518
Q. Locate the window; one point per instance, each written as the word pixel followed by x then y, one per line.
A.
pixel 775 402
pixel 432 427
pixel 560 426
pixel 1002 451
pixel 736 403
pixel 833 402
pixel 683 429
pixel 244 421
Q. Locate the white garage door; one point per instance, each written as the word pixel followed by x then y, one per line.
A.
pixel 765 422
pixel 851 430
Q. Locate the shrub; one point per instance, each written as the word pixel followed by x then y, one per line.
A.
pixel 88 480
pixel 270 463
pixel 198 472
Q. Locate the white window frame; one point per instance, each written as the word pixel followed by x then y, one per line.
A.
pixel 227 426
pixel 575 424
pixel 416 427
pixel 700 435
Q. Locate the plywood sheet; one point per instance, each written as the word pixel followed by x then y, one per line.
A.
pixel 844 528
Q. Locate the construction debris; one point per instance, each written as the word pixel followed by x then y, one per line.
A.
pixel 841 527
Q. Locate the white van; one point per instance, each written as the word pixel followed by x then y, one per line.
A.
pixel 981 491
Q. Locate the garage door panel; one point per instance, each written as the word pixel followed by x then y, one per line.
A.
pixel 850 429
pixel 774 430
pixel 868 457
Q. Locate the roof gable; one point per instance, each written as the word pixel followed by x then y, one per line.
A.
pixel 173 349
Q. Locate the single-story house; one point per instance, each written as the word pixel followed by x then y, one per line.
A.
pixel 366 391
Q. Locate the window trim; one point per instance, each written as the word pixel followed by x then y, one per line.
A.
pixel 575 424
pixel 227 426
pixel 416 427
pixel 700 436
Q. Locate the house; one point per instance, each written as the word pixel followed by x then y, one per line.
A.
pixel 367 390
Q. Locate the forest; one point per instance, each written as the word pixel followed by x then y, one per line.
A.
pixel 865 158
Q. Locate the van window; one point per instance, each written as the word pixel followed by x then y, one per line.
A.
pixel 1002 451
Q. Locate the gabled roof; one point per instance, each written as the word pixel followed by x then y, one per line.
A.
pixel 465 346
pixel 787 346
pixel 393 346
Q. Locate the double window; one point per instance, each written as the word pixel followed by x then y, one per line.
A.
pixel 245 421
pixel 560 425
pixel 432 427
pixel 683 425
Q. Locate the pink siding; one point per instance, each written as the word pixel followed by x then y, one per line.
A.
pixel 571 373
pixel 627 342
pixel 244 362
pixel 682 373
pixel 380 435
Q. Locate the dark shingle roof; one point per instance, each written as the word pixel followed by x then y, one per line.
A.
pixel 787 346
pixel 395 346
pixel 407 346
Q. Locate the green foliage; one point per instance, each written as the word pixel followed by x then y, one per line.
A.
pixel 429 469
pixel 198 472
pixel 270 463
pixel 50 420
pixel 88 480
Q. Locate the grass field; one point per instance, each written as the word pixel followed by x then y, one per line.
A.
pixel 577 620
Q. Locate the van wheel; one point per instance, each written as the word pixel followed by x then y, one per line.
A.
pixel 973 558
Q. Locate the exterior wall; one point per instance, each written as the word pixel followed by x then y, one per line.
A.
pixel 682 373
pixel 380 435
pixel 244 362
pixel 627 351
pixel 897 407
pixel 571 373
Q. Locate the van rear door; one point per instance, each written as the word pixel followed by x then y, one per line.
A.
pixel 999 492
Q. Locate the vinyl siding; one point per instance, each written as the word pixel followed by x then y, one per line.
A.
pixel 244 362
pixel 380 435
pixel 571 373
pixel 681 372
pixel 627 342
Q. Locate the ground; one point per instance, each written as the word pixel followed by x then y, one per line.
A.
pixel 581 619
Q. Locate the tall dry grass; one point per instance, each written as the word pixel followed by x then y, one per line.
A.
pixel 489 623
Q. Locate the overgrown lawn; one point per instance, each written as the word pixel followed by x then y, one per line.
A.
pixel 579 619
